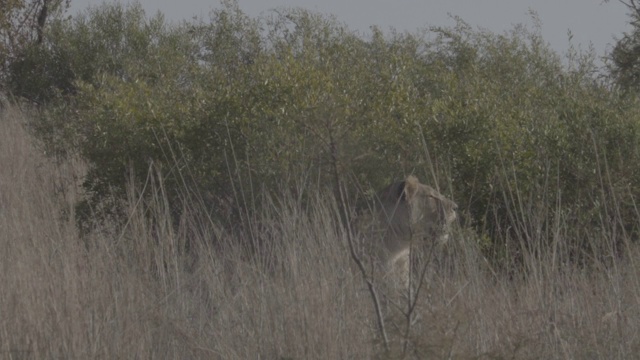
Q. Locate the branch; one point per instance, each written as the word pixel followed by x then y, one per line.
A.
pixel 632 5
pixel 42 19
pixel 370 285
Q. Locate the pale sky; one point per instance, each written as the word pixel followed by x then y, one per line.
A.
pixel 590 21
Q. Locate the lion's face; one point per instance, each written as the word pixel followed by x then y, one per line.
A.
pixel 411 212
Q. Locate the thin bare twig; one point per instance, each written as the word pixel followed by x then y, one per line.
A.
pixel 368 280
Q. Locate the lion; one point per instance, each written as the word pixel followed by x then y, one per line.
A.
pixel 406 213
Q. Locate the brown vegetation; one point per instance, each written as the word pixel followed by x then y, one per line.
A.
pixel 137 291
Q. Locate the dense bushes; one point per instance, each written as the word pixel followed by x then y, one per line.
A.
pixel 501 122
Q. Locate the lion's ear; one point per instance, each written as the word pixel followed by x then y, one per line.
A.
pixel 411 186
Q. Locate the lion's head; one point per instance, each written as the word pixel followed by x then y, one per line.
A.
pixel 406 213
pixel 412 211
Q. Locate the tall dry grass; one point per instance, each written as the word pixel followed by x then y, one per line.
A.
pixel 153 287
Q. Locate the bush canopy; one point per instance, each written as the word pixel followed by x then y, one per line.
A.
pixel 294 99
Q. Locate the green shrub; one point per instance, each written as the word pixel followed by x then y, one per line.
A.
pixel 236 105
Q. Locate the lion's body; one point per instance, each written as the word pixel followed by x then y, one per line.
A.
pixel 405 214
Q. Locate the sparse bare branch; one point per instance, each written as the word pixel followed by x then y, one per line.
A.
pixel 631 4
pixel 367 278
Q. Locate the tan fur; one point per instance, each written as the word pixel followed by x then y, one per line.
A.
pixel 405 213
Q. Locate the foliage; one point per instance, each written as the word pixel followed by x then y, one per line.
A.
pixel 22 23
pixel 527 135
pixel 625 56
pixel 234 105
